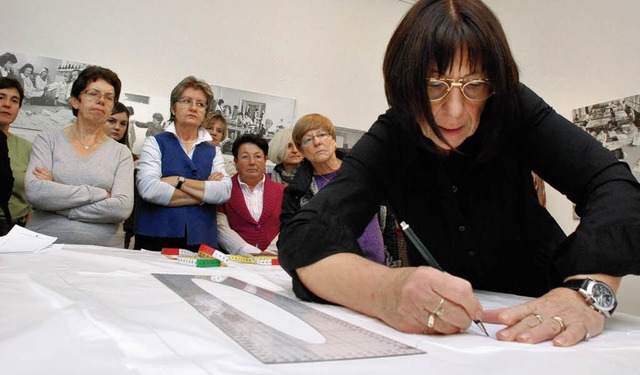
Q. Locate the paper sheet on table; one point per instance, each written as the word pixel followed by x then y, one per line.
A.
pixel 22 240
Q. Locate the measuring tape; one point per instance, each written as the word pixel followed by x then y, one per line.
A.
pixel 343 340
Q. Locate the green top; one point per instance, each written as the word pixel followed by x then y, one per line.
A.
pixel 19 153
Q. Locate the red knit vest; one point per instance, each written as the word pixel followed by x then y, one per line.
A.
pixel 261 233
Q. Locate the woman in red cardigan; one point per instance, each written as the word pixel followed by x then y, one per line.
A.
pixel 250 221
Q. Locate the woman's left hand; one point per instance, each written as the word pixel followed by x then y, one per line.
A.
pixel 215 176
pixel 560 315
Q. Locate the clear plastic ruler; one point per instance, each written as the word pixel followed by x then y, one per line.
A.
pixel 343 340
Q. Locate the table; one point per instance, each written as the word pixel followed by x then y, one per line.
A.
pixel 97 310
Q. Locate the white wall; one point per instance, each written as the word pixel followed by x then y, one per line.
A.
pixel 327 54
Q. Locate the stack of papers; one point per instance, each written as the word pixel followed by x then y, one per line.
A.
pixel 21 240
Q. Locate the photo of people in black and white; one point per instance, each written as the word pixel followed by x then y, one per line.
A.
pixel 249 112
pixel 47 88
pixel 615 124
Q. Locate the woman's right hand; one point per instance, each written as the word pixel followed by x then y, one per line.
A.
pixel 426 300
pixel 407 299
pixel 43 173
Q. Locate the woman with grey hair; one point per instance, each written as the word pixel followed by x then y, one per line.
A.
pixel 181 176
pixel 284 153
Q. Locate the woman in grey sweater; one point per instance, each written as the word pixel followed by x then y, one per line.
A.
pixel 79 180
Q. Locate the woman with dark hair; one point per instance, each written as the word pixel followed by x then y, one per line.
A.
pixel 11 188
pixel 31 92
pixel 11 98
pixel 7 60
pixel 181 176
pixel 453 158
pixel 79 180
pixel 117 125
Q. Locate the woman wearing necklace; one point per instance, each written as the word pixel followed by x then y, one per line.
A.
pixel 181 176
pixel 79 180
pixel 315 136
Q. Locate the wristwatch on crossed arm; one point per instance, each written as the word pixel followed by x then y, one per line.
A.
pixel 180 182
pixel 599 295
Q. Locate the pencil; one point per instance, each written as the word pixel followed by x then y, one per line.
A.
pixel 431 260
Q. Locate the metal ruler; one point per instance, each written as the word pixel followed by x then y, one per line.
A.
pixel 343 340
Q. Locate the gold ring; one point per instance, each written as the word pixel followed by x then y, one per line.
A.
pixel 439 310
pixel 431 321
pixel 539 317
pixel 561 322
pixel 587 335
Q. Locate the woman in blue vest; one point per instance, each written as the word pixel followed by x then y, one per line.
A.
pixel 181 178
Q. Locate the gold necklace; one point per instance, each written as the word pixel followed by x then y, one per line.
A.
pixel 86 147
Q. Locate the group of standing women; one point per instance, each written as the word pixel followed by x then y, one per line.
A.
pixel 80 179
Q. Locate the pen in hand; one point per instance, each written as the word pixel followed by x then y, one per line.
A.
pixel 431 260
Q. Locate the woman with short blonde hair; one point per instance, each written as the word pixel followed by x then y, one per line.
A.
pixel 285 155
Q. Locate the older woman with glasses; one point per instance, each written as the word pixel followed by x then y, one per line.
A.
pixel 181 176
pixel 453 157
pixel 79 180
pixel 315 136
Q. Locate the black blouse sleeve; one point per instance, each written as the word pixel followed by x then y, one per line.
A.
pixel 606 194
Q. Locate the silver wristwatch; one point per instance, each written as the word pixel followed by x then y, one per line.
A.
pixel 599 295
pixel 181 181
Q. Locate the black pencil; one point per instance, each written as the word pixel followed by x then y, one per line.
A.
pixel 431 260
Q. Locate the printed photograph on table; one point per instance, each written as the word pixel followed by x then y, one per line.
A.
pixel 615 124
pixel 47 87
pixel 250 112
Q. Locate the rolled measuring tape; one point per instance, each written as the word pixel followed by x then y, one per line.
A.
pixel 173 253
pixel 267 260
pixel 206 251
pixel 198 262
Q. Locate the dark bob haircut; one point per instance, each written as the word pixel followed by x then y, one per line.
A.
pixel 92 74
pixel 250 138
pixel 9 83
pixel 429 37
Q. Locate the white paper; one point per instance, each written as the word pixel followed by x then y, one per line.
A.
pixel 22 240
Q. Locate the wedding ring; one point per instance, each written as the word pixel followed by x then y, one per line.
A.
pixel 431 321
pixel 587 335
pixel 561 322
pixel 539 317
pixel 439 310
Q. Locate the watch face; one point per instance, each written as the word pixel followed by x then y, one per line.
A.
pixel 603 296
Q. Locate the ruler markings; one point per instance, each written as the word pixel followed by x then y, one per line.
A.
pixel 343 340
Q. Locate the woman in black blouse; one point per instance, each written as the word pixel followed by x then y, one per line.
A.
pixel 453 157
